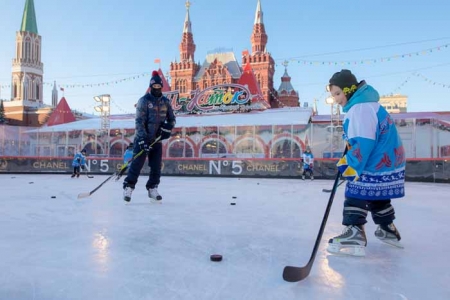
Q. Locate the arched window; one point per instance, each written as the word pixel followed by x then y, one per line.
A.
pixel 15 90
pixel 180 149
pixel 37 91
pixel 286 148
pixel 249 148
pixel 213 148
pixel 27 48
pixel 117 149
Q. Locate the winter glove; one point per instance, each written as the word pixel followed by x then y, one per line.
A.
pixel 79 160
pixel 165 131
pixel 346 170
pixel 83 167
pixel 144 144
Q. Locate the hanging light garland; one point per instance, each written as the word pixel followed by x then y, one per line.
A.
pixel 432 82
pixel 369 61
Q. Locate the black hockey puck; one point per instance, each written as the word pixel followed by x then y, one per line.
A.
pixel 215 257
pixel 31 182
pixel 234 197
pixel 233 203
pixel 53 197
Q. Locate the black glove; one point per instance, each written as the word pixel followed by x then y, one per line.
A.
pixel 79 160
pixel 144 144
pixel 165 131
pixel 83 167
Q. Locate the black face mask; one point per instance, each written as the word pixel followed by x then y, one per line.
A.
pixel 156 92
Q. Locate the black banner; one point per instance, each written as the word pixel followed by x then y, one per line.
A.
pixel 416 170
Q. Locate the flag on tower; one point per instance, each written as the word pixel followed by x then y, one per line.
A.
pixel 62 89
pixel 157 61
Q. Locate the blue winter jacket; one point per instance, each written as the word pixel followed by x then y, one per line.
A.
pixel 151 113
pixel 375 162
pixel 78 160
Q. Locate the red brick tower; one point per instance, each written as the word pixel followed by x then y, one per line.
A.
pixel 183 72
pixel 260 60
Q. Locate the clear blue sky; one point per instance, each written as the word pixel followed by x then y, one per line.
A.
pixel 87 41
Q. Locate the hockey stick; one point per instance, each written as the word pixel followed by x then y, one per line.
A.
pixel 87 174
pixel 123 170
pixel 85 195
pixel 295 274
pixel 330 190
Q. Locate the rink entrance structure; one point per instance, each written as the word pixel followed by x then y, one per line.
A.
pixel 266 143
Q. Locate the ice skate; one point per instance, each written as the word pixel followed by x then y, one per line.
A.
pixel 78 175
pixel 127 191
pixel 389 235
pixel 303 177
pixel 153 194
pixel 352 242
pixel 73 175
pixel 312 177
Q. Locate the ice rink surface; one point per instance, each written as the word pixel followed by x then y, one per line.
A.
pixel 103 248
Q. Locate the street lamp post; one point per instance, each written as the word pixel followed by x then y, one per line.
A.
pixel 105 113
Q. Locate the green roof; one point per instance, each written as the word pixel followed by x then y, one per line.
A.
pixel 29 18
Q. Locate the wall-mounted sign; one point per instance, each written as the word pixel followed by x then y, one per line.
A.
pixel 223 97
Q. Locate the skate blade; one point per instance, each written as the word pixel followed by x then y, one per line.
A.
pixel 393 243
pixel 358 251
pixel 155 201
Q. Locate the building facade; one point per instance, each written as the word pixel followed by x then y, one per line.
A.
pixel 26 106
pixel 395 103
pixel 221 66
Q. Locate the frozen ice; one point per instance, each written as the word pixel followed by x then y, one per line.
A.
pixel 103 248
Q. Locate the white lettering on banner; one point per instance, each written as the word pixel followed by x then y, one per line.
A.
pixel 236 168
pixel 104 167
pixel 216 166
pixel 237 164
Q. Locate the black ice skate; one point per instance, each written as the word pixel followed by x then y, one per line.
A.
pixel 73 175
pixel 389 235
pixel 352 241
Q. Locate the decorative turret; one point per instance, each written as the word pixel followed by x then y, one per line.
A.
pixel 27 68
pixel 286 93
pixel 187 46
pixel 259 37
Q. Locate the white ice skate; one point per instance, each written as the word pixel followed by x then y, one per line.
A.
pixel 154 195
pixel 352 242
pixel 389 235
pixel 127 191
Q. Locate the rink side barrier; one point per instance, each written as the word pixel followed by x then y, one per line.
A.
pixel 424 170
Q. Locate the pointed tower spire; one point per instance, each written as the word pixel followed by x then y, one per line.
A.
pixel 259 14
pixel 259 37
pixel 187 21
pixel 29 23
pixel 187 46
pixel 27 68
pixel 54 95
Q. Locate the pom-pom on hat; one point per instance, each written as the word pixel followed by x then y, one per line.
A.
pixel 155 79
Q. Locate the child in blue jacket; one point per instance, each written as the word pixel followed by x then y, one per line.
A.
pixel 79 161
pixel 374 165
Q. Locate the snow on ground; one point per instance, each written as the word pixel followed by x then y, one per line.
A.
pixel 103 248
